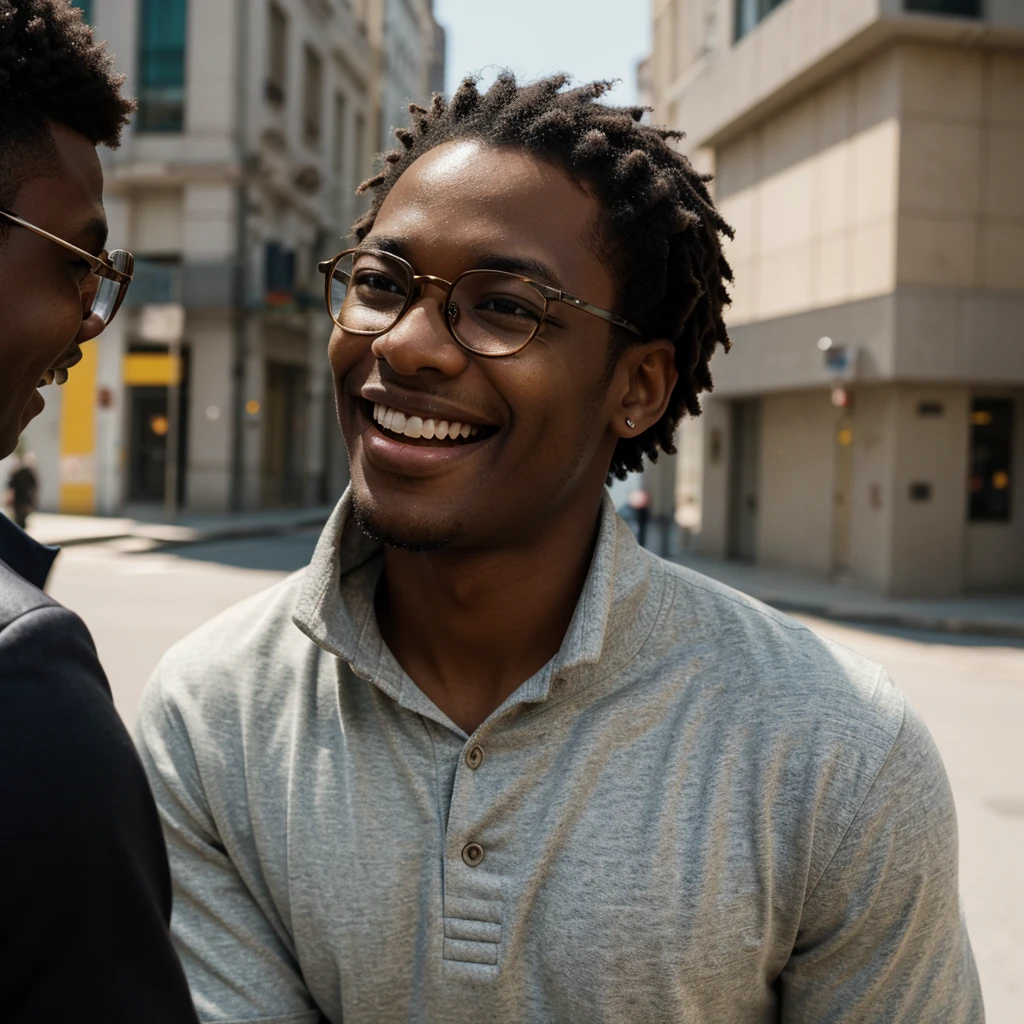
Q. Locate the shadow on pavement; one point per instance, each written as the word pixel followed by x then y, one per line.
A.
pixel 280 553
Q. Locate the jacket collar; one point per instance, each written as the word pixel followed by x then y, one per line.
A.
pixel 614 615
pixel 27 557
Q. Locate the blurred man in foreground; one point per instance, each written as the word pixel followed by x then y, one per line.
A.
pixel 488 760
pixel 84 885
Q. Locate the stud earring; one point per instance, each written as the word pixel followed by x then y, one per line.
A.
pixel 630 423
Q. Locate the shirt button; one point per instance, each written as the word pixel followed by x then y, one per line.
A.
pixel 475 757
pixel 473 854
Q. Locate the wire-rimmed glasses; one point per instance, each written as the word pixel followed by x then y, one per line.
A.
pixel 489 312
pixel 114 269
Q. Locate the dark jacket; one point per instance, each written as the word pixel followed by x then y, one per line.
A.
pixel 85 891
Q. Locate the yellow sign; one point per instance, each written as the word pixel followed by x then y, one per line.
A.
pixel 78 436
pixel 151 369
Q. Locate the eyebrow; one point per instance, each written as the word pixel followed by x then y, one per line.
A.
pixel 528 266
pixel 92 236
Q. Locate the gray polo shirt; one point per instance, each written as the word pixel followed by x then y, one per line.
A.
pixel 699 811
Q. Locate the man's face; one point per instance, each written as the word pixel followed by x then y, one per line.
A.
pixel 543 441
pixel 46 289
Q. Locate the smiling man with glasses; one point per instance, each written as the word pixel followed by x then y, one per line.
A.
pixel 84 885
pixel 487 760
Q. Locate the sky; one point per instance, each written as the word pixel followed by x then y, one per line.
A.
pixel 589 39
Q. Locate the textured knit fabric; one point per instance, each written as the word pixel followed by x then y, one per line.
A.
pixel 699 811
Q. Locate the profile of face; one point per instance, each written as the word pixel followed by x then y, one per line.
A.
pixel 538 426
pixel 47 291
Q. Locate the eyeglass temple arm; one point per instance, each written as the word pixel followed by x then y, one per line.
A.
pixel 571 300
pixel 99 268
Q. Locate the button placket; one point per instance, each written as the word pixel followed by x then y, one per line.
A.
pixel 473 896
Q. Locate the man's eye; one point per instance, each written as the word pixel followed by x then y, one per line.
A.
pixel 507 305
pixel 378 283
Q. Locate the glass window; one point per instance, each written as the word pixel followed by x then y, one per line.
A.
pixel 277 58
pixel 162 66
pixel 750 12
pixel 990 482
pixel 85 6
pixel 964 8
pixel 312 97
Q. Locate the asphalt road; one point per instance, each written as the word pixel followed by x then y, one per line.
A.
pixel 970 691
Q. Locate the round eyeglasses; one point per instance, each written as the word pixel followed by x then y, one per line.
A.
pixel 114 269
pixel 489 312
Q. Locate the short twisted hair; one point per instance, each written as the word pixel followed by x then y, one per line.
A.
pixel 51 69
pixel 661 226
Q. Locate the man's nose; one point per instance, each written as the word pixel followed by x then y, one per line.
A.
pixel 420 342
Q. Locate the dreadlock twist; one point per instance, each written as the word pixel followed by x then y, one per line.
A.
pixel 662 227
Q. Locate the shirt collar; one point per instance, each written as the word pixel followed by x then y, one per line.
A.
pixel 614 615
pixel 27 557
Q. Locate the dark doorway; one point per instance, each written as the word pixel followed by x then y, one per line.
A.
pixel 147 447
pixel 744 483
pixel 148 426
pixel 284 435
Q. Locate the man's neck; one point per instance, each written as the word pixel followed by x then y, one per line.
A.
pixel 469 627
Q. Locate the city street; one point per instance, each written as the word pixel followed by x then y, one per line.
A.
pixel 970 692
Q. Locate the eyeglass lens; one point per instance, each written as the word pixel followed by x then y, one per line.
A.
pixel 110 293
pixel 490 312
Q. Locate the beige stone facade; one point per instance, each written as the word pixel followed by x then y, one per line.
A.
pixel 871 160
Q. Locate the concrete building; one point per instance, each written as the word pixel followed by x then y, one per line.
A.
pixel 869 422
pixel 256 120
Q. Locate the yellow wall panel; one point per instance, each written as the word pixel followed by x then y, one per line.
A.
pixel 78 436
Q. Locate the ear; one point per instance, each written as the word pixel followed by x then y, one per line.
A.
pixel 644 381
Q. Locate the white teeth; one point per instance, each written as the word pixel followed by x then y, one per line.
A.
pixel 60 376
pixel 418 426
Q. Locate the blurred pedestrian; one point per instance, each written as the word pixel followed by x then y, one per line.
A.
pixel 22 487
pixel 510 766
pixel 85 892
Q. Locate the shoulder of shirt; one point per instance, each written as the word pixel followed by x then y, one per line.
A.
pixel 252 642
pixel 759 653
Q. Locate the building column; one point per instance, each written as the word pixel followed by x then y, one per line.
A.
pixel 253 398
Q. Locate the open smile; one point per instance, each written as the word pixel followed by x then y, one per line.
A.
pixel 58 372
pixel 424 430
pixel 404 441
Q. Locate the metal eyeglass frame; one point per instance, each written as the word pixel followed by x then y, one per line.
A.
pixel 100 265
pixel 546 292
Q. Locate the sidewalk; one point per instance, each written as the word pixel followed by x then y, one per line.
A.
pixel 65 530
pixel 988 615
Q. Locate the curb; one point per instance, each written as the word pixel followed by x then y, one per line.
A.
pixel 1006 629
pixel 167 535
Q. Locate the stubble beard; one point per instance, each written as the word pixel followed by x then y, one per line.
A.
pixel 417 538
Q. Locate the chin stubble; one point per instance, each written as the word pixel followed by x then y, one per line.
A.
pixel 434 538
